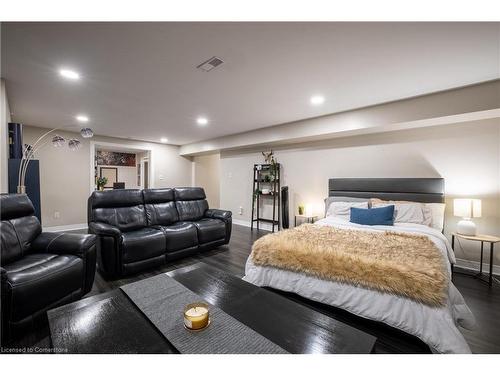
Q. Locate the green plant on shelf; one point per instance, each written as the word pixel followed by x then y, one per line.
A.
pixel 273 169
pixel 256 193
pixel 101 182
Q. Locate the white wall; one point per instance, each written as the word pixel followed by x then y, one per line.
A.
pixel 467 156
pixel 207 175
pixel 4 137
pixel 65 176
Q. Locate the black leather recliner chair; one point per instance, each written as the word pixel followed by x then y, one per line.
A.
pixel 39 270
pixel 139 229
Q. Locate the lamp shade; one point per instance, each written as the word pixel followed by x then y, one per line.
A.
pixel 86 133
pixel 58 141
pixel 309 209
pixel 467 208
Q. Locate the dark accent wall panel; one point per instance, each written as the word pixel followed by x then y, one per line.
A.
pixel 32 182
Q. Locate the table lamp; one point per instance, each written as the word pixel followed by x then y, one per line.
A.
pixel 309 209
pixel 467 209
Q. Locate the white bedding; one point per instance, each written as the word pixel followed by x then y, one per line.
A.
pixel 436 326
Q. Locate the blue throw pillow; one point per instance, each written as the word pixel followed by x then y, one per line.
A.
pixel 373 216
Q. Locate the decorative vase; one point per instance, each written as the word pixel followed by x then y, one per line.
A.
pixel 301 210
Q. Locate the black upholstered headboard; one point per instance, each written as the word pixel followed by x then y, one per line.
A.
pixel 428 190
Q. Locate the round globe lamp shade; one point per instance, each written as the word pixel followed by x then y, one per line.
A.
pixel 467 209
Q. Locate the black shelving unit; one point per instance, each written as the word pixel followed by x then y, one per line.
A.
pixel 268 176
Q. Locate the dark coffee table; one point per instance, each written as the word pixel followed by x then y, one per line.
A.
pixel 111 323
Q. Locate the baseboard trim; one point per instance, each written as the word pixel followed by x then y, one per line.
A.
pixel 65 228
pixel 262 226
pixel 474 266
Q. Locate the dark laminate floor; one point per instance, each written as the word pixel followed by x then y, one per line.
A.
pixel 483 301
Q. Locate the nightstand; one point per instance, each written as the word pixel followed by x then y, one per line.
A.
pixel 492 240
pixel 306 218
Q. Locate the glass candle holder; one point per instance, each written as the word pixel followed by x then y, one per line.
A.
pixel 196 316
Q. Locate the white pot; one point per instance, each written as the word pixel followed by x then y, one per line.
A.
pixel 466 227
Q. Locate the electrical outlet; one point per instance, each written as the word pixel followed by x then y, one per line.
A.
pixel 57 215
pixel 241 210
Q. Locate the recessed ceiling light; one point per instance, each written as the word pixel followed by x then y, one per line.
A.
pixel 202 121
pixel 82 118
pixel 163 140
pixel 317 100
pixel 69 74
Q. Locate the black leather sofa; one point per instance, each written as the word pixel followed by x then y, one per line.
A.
pixel 39 270
pixel 139 229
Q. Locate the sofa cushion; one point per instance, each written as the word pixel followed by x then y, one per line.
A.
pixel 190 203
pixel 180 235
pixel 189 193
pixel 160 206
pixel 10 246
pixel 115 198
pixel 123 209
pixel 142 244
pixel 210 230
pixel 38 280
pixel 191 210
pixel 15 205
pixel 28 261
pixel 18 227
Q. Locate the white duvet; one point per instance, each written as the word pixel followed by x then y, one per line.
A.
pixel 436 326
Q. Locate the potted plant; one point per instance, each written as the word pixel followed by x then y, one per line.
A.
pixel 256 193
pixel 101 182
pixel 273 169
pixel 301 209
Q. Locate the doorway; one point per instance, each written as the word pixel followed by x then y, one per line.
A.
pixel 119 166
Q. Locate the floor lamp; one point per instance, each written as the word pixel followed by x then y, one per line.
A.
pixel 56 141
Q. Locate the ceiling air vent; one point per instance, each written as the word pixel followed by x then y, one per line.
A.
pixel 210 64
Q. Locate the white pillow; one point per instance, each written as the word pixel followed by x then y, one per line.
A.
pixel 437 214
pixel 406 212
pixel 427 215
pixel 342 210
pixel 433 213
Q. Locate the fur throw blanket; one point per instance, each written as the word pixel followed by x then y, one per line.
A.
pixel 404 264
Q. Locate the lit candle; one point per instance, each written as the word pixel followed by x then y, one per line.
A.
pixel 196 315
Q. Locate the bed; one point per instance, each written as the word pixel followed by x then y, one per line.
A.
pixel 437 326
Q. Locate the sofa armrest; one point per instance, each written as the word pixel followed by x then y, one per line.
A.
pixel 64 243
pixel 218 214
pixel 103 229
pixel 109 242
pixel 225 216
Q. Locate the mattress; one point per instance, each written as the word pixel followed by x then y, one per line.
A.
pixel 436 326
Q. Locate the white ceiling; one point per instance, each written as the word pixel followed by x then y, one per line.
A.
pixel 139 79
